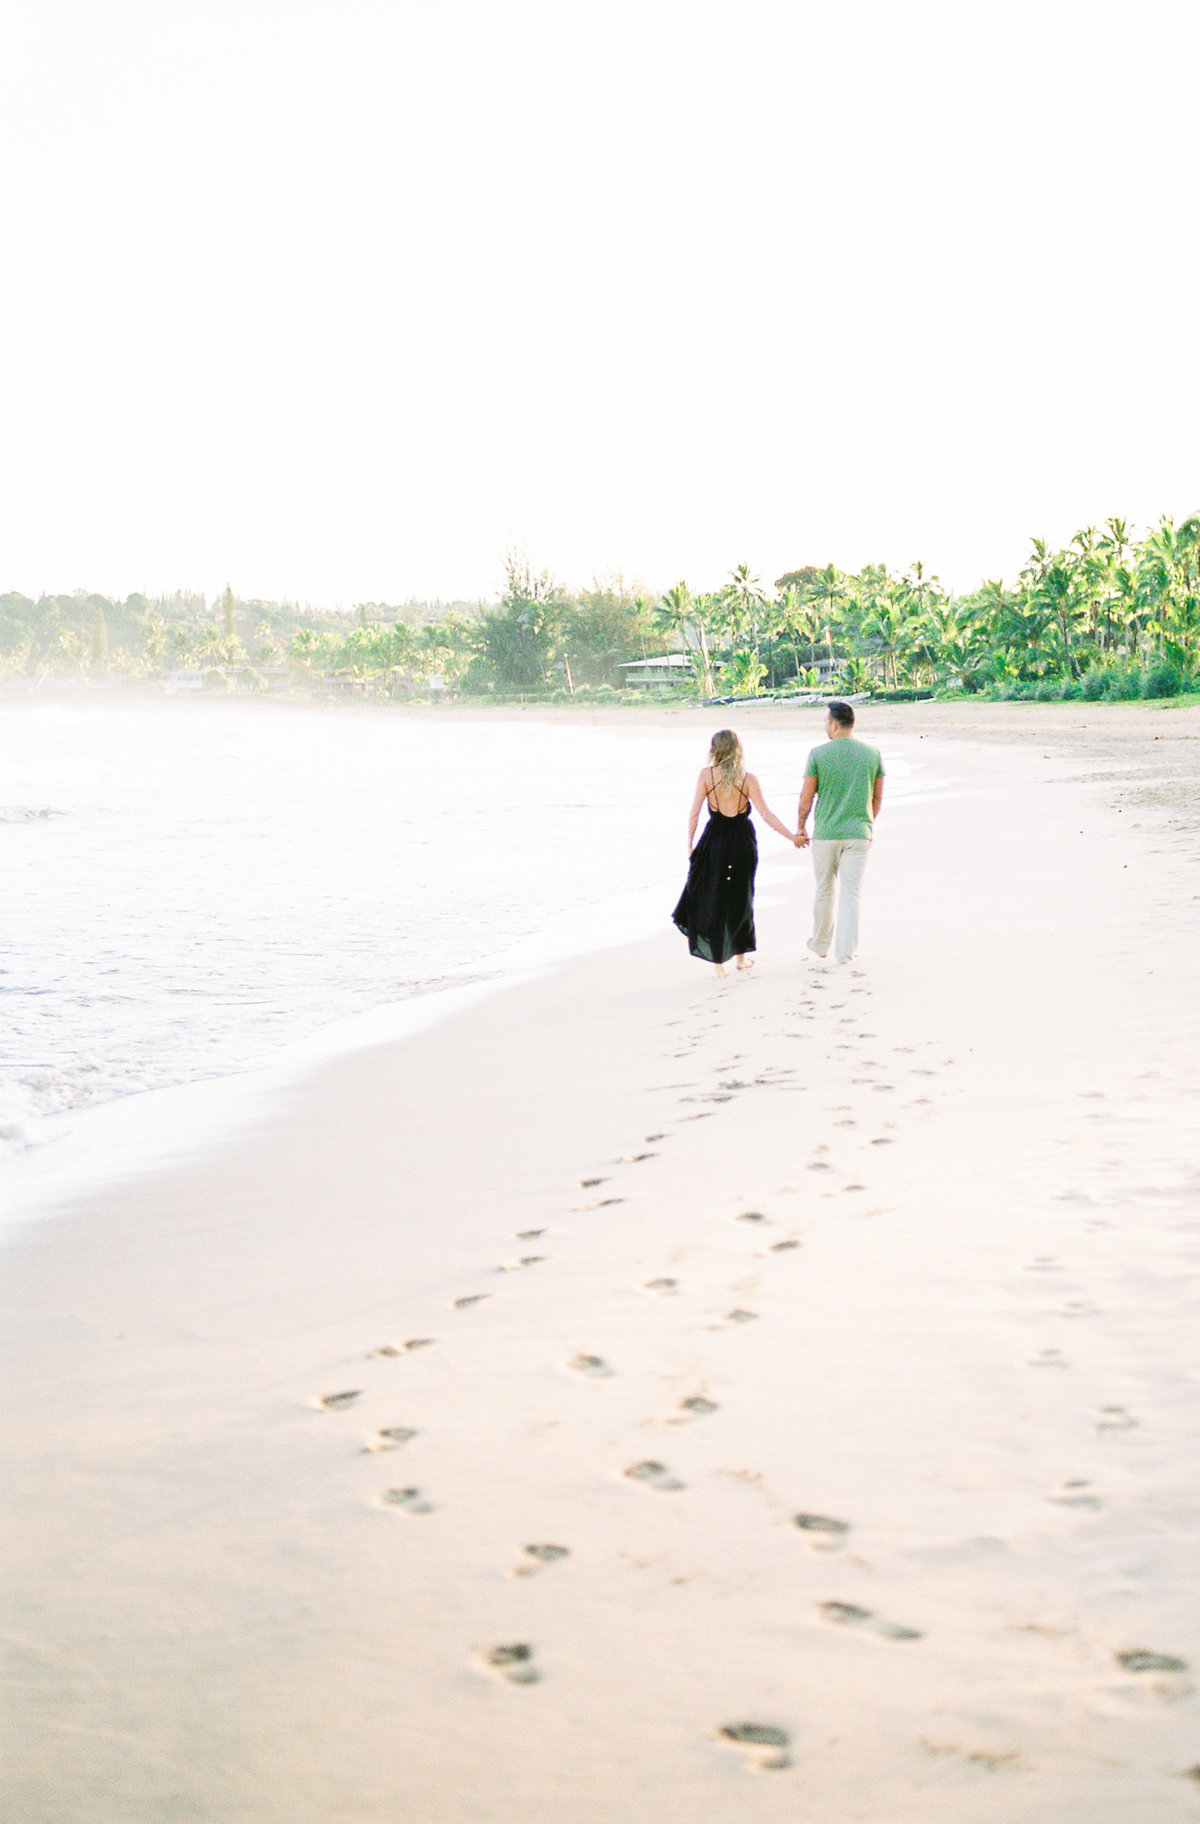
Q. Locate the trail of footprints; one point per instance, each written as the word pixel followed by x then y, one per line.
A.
pixel 765 1746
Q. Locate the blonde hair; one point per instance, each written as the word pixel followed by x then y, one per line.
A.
pixel 726 759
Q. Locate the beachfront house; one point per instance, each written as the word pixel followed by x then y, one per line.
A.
pixel 658 674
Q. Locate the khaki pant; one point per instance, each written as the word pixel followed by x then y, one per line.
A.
pixel 838 867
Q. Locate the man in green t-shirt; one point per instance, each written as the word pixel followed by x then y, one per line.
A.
pixel 845 778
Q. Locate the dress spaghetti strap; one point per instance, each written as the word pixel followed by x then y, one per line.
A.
pixel 715 808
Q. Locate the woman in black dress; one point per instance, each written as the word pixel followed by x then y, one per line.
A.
pixel 716 910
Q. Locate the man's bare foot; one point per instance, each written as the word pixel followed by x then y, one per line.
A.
pixel 814 949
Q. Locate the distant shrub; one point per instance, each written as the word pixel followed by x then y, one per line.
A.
pixel 1163 679
pixel 215 680
pixel 1126 683
pixel 1072 690
pixel 479 679
pixel 1095 685
pixel 1047 690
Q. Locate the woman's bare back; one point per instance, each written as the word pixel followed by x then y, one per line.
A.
pixel 729 800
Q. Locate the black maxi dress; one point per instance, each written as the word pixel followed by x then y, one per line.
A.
pixel 716 908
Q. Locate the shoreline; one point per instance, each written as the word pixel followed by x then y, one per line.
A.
pixel 127 1133
pixel 967 1377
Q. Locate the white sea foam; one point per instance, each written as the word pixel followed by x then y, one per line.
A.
pixel 232 890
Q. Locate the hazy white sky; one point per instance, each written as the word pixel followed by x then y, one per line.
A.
pixel 340 299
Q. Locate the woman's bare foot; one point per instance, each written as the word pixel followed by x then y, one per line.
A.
pixel 745 962
pixel 721 970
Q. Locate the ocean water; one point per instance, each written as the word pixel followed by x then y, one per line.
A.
pixel 194 889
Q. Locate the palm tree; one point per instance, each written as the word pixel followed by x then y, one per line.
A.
pixel 743 672
pixel 679 612
pixel 1090 566
pixel 802 618
pixel 855 675
pixel 886 626
pixel 1158 562
pixel 1056 591
pixel 829 588
pixel 774 625
pixel 1187 544
pixel 743 601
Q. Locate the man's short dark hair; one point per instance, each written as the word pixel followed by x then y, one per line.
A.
pixel 842 713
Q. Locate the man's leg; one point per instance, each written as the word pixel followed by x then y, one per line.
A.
pixel 825 871
pixel 852 863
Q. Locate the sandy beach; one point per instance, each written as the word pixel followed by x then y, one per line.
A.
pixel 653 1400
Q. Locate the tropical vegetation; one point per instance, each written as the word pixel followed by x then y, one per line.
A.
pixel 1109 615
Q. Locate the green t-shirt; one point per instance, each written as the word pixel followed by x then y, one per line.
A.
pixel 845 771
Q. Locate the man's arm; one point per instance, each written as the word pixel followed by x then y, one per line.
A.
pixel 876 796
pixel 808 793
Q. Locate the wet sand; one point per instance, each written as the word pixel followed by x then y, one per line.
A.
pixel 641 1397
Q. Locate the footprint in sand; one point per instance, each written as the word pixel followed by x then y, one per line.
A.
pixel 529 1234
pixel 661 1288
pixel 414 1342
pixel 469 1299
pixel 1142 1661
pixel 334 1402
pixel 536 1557
pixel 407 1500
pixel 526 1260
pixel 750 1216
pixel 391 1437
pixel 1075 1494
pixel 589 1184
pixel 785 1246
pixel 595 1365
pixel 824 1530
pixel 694 1407
pixel 653 1475
pixel 740 1316
pixel 514 1663
pixel 635 1158
pixel 848 1614
pixel 1048 1358
pixel 1115 1418
pixel 600 1203
pixel 764 1744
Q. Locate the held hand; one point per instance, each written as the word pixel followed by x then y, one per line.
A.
pixel 800 839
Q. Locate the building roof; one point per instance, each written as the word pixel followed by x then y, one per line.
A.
pixel 671 661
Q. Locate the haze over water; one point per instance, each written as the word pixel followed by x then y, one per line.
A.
pixel 220 880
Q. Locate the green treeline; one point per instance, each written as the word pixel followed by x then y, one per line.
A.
pixel 1107 616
